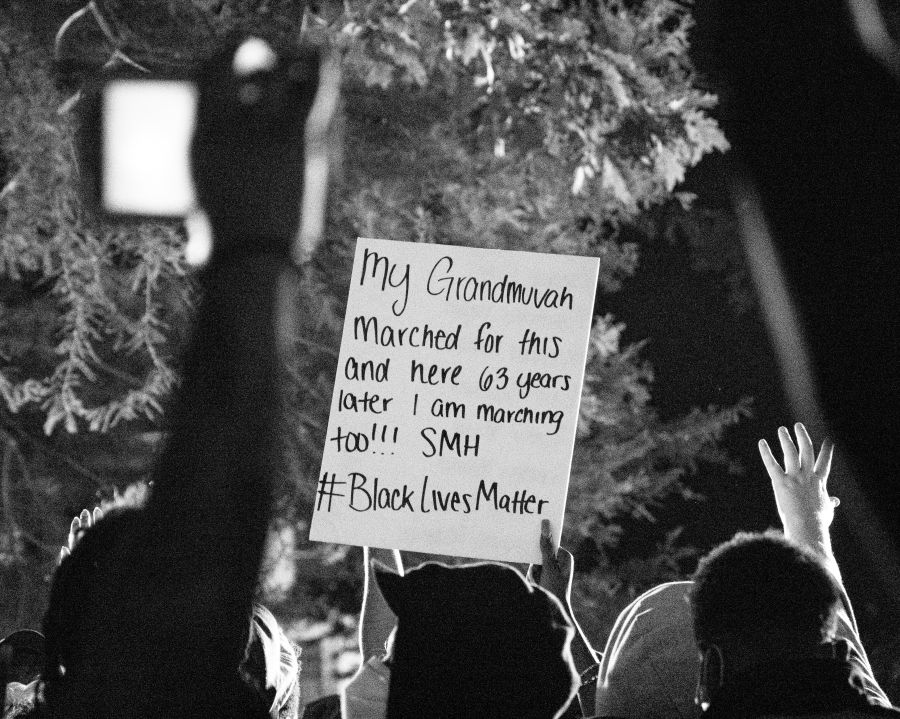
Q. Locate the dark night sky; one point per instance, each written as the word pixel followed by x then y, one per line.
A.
pixel 816 124
pixel 704 351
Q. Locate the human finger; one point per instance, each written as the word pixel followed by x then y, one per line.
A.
pixel 772 467
pixel 823 462
pixel 791 460
pixel 74 527
pixel 85 517
pixel 546 541
pixel 804 443
pixel 63 553
pixel 98 514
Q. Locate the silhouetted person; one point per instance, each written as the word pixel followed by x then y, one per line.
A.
pixel 149 616
pixel 650 666
pixel 765 615
pixel 476 640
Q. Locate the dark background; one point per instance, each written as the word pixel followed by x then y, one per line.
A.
pixel 814 123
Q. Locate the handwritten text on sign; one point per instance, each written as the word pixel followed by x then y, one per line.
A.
pixel 456 399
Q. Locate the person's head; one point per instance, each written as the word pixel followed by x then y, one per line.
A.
pixel 759 596
pixel 74 606
pixel 476 640
pixel 73 622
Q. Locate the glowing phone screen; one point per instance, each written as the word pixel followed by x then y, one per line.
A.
pixel 147 131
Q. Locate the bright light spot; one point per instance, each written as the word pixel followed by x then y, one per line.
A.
pixel 254 55
pixel 200 239
pixel 147 126
pixel 279 565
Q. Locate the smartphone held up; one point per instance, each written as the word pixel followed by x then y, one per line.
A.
pixel 146 130
pixel 144 136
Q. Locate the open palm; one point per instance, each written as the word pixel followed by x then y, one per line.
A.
pixel 800 487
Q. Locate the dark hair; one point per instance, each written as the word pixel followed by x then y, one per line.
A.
pixel 76 606
pixel 72 593
pixel 761 592
pixel 475 640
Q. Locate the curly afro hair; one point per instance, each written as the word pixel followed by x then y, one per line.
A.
pixel 760 591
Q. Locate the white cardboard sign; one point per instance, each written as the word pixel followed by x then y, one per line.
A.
pixel 456 399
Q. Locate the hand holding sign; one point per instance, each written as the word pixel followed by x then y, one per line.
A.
pixel 456 401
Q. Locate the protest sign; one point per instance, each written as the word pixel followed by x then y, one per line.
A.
pixel 456 399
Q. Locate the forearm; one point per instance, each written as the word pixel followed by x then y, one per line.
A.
pixel 814 536
pixel 210 502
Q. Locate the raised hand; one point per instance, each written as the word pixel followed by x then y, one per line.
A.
pixel 800 487
pixel 80 524
pixel 555 572
pixel 248 151
pixel 555 576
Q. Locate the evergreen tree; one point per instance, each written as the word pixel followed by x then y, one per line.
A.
pixel 545 126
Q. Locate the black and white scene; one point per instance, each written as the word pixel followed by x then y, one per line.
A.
pixel 390 359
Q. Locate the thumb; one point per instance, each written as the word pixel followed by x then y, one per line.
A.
pixel 823 461
pixel 546 540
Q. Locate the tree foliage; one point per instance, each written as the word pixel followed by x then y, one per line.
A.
pixel 543 126
pixel 87 306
